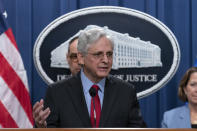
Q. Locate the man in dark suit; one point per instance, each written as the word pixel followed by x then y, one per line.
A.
pixel 92 98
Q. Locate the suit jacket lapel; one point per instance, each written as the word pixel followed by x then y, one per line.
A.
pixel 78 99
pixel 109 97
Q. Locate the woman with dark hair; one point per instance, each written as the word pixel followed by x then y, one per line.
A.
pixel 186 115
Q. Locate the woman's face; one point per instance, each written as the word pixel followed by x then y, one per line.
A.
pixel 191 89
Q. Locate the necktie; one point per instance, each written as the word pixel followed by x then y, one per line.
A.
pixel 95 107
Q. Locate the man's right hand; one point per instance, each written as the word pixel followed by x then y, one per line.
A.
pixel 40 115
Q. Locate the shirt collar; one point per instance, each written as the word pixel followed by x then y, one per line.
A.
pixel 87 83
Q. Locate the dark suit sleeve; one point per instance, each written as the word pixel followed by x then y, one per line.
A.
pixel 52 120
pixel 135 117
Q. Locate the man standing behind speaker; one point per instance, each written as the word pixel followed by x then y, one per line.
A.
pixel 72 56
pixel 93 98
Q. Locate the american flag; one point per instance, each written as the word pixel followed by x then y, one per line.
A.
pixel 15 105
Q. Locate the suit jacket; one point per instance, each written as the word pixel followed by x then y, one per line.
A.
pixel 68 107
pixel 177 118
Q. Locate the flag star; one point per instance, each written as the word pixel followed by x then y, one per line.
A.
pixel 5 14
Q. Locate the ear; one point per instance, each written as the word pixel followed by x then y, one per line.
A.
pixel 80 57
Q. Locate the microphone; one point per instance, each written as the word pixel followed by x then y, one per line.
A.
pixel 92 92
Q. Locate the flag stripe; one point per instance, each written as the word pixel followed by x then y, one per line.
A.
pixel 13 57
pixel 13 81
pixel 19 115
pixel 11 37
pixel 15 104
pixel 8 122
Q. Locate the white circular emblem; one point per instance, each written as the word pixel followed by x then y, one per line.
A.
pixel 146 52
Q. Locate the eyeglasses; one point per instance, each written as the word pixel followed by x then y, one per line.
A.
pixel 100 55
pixel 73 57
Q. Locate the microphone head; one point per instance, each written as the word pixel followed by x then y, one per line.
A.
pixel 92 92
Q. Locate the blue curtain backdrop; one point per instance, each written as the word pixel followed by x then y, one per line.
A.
pixel 28 18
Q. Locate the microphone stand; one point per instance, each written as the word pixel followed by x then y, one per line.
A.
pixel 92 92
pixel 94 112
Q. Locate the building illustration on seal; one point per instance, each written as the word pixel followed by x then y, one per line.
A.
pixel 129 52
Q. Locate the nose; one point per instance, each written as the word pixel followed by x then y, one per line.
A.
pixel 105 58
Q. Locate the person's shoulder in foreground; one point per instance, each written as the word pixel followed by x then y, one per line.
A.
pixel 177 118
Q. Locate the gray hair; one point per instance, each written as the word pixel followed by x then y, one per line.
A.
pixel 89 37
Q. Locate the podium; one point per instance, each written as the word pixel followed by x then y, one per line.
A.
pixel 98 129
